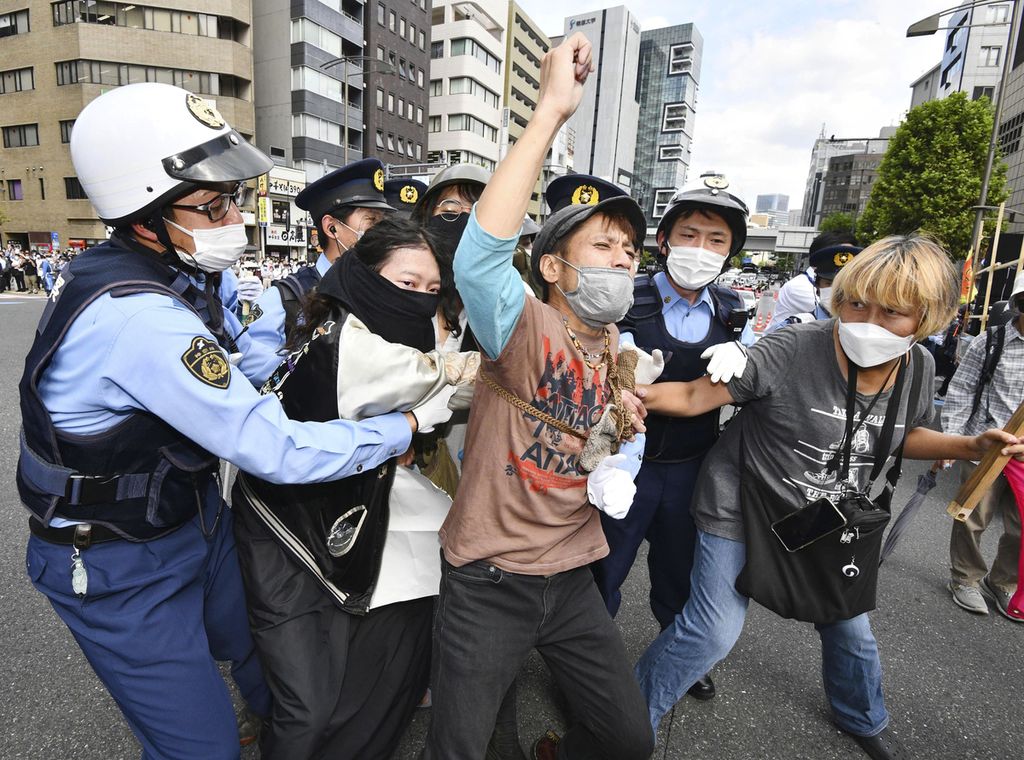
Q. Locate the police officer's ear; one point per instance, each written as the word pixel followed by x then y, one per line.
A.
pixel 662 244
pixel 144 231
pixel 327 223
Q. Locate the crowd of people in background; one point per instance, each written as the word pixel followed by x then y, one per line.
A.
pixel 31 272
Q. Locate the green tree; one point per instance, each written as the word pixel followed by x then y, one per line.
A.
pixel 931 174
pixel 837 222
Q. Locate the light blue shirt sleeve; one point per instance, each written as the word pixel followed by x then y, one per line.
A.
pixel 634 451
pixel 258 360
pixel 126 355
pixel 490 287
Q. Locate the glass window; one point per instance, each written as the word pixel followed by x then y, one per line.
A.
pixel 391 102
pixel 380 139
pixel 73 189
pixel 673 117
pixel 437 49
pixel 434 124
pixel 410 111
pixel 391 143
pixel 661 201
pixel 65 130
pixel 380 53
pixel 419 152
pixel 423 40
pixel 14 190
pixel 14 23
pixel 401 144
pixel 401 68
pixel 380 16
pixel 679 58
pixel 998 14
pixel 17 80
pixel 21 136
pixel 671 153
pixel 401 27
pixel 436 87
pixel 401 106
pixel 391 20
pixel 380 98
pixel 419 115
pixel 419 78
pixel 990 55
pixel 408 150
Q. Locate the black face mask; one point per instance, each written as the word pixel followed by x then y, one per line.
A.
pixel 448 234
pixel 393 313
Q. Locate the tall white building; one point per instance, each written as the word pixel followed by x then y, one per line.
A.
pixel 466 81
pixel 826 148
pixel 605 124
pixel 972 55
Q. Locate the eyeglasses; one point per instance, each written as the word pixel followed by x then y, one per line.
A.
pixel 451 208
pixel 218 207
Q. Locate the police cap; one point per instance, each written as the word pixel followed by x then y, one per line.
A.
pixel 359 184
pixel 579 190
pixel 829 260
pixel 402 195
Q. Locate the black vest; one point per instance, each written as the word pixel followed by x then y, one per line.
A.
pixel 335 530
pixel 292 288
pixel 678 439
pixel 141 478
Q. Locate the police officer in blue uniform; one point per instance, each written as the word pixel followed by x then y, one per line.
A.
pixel 403 194
pixel 343 204
pixel 137 382
pixel 682 313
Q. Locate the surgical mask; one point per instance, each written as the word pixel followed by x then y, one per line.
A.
pixel 825 298
pixel 868 345
pixel 358 233
pixel 603 295
pixel 693 268
pixel 217 248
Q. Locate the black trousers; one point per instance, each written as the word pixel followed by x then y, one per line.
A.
pixel 344 686
pixel 487 622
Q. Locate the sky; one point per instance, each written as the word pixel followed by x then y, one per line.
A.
pixel 774 72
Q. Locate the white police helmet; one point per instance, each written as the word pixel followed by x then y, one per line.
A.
pixel 140 146
pixel 710 194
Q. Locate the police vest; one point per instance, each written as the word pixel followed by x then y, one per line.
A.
pixel 292 288
pixel 141 478
pixel 335 530
pixel 678 439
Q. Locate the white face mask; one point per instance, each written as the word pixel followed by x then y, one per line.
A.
pixel 825 298
pixel 217 248
pixel 693 268
pixel 868 345
pixel 358 233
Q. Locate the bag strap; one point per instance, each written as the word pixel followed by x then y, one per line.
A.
pixel 892 477
pixel 851 407
pixel 994 339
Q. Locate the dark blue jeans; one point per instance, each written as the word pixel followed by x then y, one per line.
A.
pixel 661 515
pixel 707 628
pixel 486 623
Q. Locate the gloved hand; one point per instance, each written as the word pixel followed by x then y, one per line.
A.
pixel 649 366
pixel 727 360
pixel 249 289
pixel 434 411
pixel 610 488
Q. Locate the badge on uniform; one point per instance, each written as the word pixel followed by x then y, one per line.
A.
pixel 409 194
pixel 205 360
pixel 255 312
pixel 586 195
pixel 378 180
pixel 205 113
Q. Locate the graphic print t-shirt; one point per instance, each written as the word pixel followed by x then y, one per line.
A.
pixel 792 425
pixel 522 504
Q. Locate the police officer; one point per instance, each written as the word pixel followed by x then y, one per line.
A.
pixel 343 204
pixel 403 194
pixel 135 385
pixel 807 296
pixel 679 311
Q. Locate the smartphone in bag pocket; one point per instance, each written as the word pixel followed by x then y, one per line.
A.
pixel 808 524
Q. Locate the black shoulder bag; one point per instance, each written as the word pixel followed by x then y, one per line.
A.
pixel 819 563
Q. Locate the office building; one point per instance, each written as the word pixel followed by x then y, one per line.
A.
pixel 396 81
pixel 467 53
pixel 60 56
pixel 606 122
pixel 826 148
pixel 525 45
pixel 776 207
pixel 300 83
pixel 972 57
pixel 848 183
pixel 1011 129
pixel 667 79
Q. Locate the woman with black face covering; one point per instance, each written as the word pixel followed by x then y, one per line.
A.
pixel 339 603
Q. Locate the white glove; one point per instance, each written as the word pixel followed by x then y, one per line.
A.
pixel 610 488
pixel 649 366
pixel 434 411
pixel 249 289
pixel 726 361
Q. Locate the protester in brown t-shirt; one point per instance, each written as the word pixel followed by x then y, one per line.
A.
pixel 524 526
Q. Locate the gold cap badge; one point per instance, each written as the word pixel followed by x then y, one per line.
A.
pixel 585 195
pixel 204 112
pixel 378 180
pixel 409 194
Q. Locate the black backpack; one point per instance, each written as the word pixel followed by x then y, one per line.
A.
pixel 995 337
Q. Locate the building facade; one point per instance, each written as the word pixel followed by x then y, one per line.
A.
pixel 972 56
pixel 1011 130
pixel 776 207
pixel 57 57
pixel 300 84
pixel 606 122
pixel 826 148
pixel 848 183
pixel 396 80
pixel 467 68
pixel 525 45
pixel 668 75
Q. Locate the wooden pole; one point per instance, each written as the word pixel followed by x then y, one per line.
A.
pixel 991 266
pixel 985 473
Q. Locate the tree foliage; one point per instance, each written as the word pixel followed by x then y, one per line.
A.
pixel 931 174
pixel 837 222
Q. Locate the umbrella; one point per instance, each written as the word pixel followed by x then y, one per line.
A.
pixel 925 483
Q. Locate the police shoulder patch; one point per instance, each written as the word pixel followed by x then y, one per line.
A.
pixel 206 362
pixel 255 312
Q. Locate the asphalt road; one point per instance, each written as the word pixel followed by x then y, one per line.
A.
pixel 954 682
